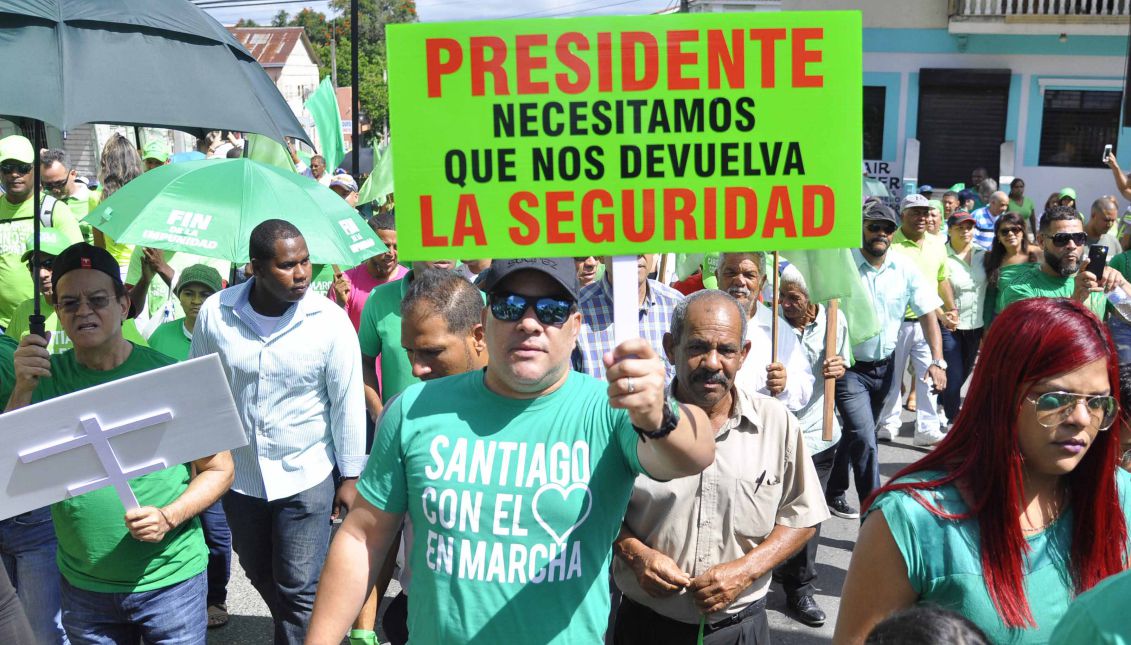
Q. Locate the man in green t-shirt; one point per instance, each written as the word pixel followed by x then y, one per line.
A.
pixel 380 335
pixel 196 284
pixel 515 478
pixel 59 180
pixel 16 212
pixel 1061 274
pixel 138 575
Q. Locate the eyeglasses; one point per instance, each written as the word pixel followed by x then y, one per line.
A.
pixel 55 186
pixel 875 227
pixel 44 263
pixel 1062 239
pixel 511 307
pixel 72 305
pixel 18 168
pixel 1054 407
pixel 1012 230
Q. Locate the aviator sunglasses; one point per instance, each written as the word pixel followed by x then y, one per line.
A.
pixel 511 307
pixel 1054 407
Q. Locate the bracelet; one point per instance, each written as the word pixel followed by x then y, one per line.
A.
pixel 668 423
pixel 166 517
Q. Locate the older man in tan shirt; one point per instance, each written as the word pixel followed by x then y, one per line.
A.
pixel 697 553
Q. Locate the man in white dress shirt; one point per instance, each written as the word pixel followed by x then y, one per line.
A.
pixel 789 379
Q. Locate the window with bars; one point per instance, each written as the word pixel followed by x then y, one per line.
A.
pixel 1076 126
pixel 874 97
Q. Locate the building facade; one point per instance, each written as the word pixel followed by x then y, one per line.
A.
pixel 1025 88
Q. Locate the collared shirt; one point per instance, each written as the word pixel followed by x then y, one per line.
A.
pixel 298 391
pixel 812 416
pixel 984 222
pixel 596 338
pixel 762 476
pixel 928 254
pixel 798 375
pixel 968 280
pixel 893 287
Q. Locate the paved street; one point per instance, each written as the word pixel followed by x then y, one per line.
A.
pixel 250 624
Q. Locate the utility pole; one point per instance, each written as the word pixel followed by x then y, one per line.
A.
pixel 334 57
pixel 355 96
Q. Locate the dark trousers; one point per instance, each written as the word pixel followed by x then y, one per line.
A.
pixel 797 574
pixel 960 348
pixel 395 620
pixel 282 545
pixel 860 397
pixel 218 537
pixel 639 625
pixel 14 627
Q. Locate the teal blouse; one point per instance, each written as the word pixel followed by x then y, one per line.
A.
pixel 944 565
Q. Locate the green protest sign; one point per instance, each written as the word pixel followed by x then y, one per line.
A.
pixel 629 134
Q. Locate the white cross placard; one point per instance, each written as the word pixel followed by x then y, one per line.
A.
pixel 109 434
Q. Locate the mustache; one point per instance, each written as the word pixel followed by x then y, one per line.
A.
pixel 707 377
pixel 739 292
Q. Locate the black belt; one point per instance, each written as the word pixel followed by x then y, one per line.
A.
pixel 909 319
pixel 883 362
pixel 753 609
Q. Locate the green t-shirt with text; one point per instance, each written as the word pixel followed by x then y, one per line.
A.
pixel 514 507
pixel 1028 281
pixel 172 340
pixel 96 551
pixel 59 342
pixel 15 229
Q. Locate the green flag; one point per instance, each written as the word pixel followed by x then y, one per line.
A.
pixel 269 151
pixel 380 181
pixel 832 273
pixel 323 106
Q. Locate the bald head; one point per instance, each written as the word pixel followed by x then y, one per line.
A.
pixel 999 203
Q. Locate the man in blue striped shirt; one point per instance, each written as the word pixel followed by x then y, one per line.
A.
pixel 294 366
pixel 657 301
pixel 986 217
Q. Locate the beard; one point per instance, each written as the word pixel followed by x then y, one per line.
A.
pixel 877 248
pixel 1066 266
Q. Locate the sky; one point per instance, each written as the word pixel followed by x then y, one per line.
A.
pixel 440 10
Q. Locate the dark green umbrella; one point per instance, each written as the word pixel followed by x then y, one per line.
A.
pixel 161 63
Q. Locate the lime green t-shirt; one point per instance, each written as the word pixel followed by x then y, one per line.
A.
pixel 15 230
pixel 96 551
pixel 1098 616
pixel 59 342
pixel 381 330
pixel 1028 281
pixel 172 340
pixel 944 563
pixel 1024 208
pixel 514 506
pixel 159 293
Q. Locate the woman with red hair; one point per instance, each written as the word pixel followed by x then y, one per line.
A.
pixel 1021 507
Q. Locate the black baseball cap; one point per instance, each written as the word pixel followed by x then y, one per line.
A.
pixel 561 270
pixel 85 256
pixel 877 210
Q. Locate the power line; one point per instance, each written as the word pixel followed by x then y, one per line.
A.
pixel 235 4
pixel 597 8
pixel 534 13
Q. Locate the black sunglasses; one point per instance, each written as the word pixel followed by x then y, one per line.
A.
pixel 887 227
pixel 44 263
pixel 511 307
pixel 55 185
pixel 1062 239
pixel 18 167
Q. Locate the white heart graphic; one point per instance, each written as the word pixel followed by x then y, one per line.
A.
pixel 564 492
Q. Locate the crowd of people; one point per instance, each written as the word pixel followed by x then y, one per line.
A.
pixel 526 479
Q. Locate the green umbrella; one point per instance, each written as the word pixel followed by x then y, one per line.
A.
pixel 163 63
pixel 210 207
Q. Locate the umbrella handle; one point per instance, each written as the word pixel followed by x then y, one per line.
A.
pixel 37 325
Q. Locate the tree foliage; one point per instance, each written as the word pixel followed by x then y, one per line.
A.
pixel 321 30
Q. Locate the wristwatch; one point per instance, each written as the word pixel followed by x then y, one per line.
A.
pixel 668 422
pixel 940 363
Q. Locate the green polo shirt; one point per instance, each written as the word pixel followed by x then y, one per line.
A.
pixel 928 254
pixel 380 335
